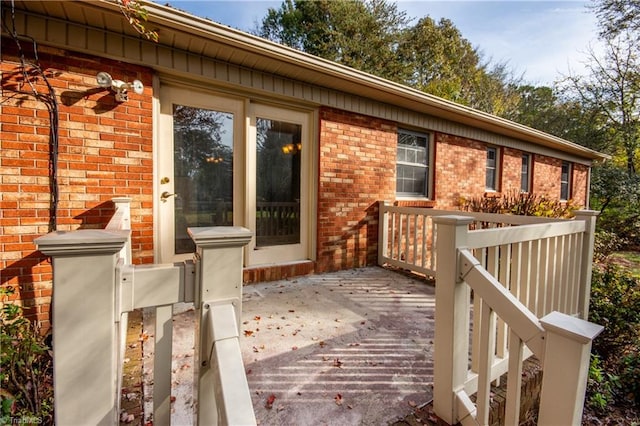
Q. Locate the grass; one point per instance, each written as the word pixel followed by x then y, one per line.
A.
pixel 629 260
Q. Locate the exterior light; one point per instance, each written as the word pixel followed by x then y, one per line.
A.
pixel 120 87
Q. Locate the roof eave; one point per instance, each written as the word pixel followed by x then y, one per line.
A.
pixel 359 82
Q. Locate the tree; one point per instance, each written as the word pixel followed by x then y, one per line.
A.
pixel 544 108
pixel 618 16
pixel 612 87
pixel 362 35
pixel 442 62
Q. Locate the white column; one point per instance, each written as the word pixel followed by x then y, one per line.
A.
pixel 586 263
pixel 85 333
pixel 566 368
pixel 219 260
pixel 452 318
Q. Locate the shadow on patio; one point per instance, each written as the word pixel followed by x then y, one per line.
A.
pixel 350 348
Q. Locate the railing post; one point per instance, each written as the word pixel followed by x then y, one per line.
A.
pixel 219 259
pixel 566 367
pixel 452 318
pixel 586 263
pixel 85 333
pixel 123 207
pixel 383 231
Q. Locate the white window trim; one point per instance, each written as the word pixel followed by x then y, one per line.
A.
pixel 529 163
pixel 568 181
pixel 497 169
pixel 429 166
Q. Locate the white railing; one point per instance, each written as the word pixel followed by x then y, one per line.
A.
pixel 94 289
pixel 407 235
pixel 530 285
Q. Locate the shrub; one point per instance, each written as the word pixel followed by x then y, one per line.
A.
pixel 519 203
pixel 26 384
pixel 606 243
pixel 615 304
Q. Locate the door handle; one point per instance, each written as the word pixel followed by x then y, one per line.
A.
pixel 165 196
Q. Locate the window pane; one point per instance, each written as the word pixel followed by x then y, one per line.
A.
pixel 491 169
pixel 279 147
pixel 413 164
pixel 411 179
pixel 203 171
pixel 524 179
pixel 565 181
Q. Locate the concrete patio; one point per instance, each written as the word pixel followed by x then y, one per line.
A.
pixel 346 348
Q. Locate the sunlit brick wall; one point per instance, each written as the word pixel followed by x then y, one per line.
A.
pixel 105 151
pixel 460 168
pixel 357 169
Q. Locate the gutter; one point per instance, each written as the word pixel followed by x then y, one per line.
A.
pixel 393 93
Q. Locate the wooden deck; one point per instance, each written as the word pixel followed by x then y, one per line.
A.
pixel 351 348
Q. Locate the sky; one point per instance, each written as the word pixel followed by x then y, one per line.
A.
pixel 540 40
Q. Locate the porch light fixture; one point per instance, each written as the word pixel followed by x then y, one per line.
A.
pixel 120 87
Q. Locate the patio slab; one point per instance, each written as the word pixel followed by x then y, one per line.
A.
pixel 346 348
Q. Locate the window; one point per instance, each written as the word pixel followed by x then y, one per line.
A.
pixel 412 168
pixel 492 169
pixel 525 176
pixel 565 181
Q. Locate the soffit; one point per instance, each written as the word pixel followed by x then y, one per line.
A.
pixel 182 31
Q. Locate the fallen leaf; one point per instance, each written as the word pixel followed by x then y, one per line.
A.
pixel 172 398
pixel 270 401
pixel 322 344
pixel 338 399
pixel 257 318
pixel 248 333
pixel 337 363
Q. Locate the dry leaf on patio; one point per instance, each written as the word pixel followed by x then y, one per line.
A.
pixel 338 399
pixel 337 363
pixel 257 318
pixel 270 400
pixel 248 333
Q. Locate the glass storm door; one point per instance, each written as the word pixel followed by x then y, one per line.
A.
pixel 278 190
pixel 196 188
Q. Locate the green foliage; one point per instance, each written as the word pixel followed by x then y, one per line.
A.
pixel 137 16
pixel 359 34
pixel 375 37
pixel 26 382
pixel 518 203
pixel 615 304
pixel 606 243
pixel 600 386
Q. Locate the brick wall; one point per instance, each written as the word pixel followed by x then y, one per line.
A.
pixel 357 169
pixel 579 193
pixel 105 150
pixel 460 168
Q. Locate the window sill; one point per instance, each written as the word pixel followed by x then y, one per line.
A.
pixel 415 202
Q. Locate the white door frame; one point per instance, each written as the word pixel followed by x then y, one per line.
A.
pixel 244 198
